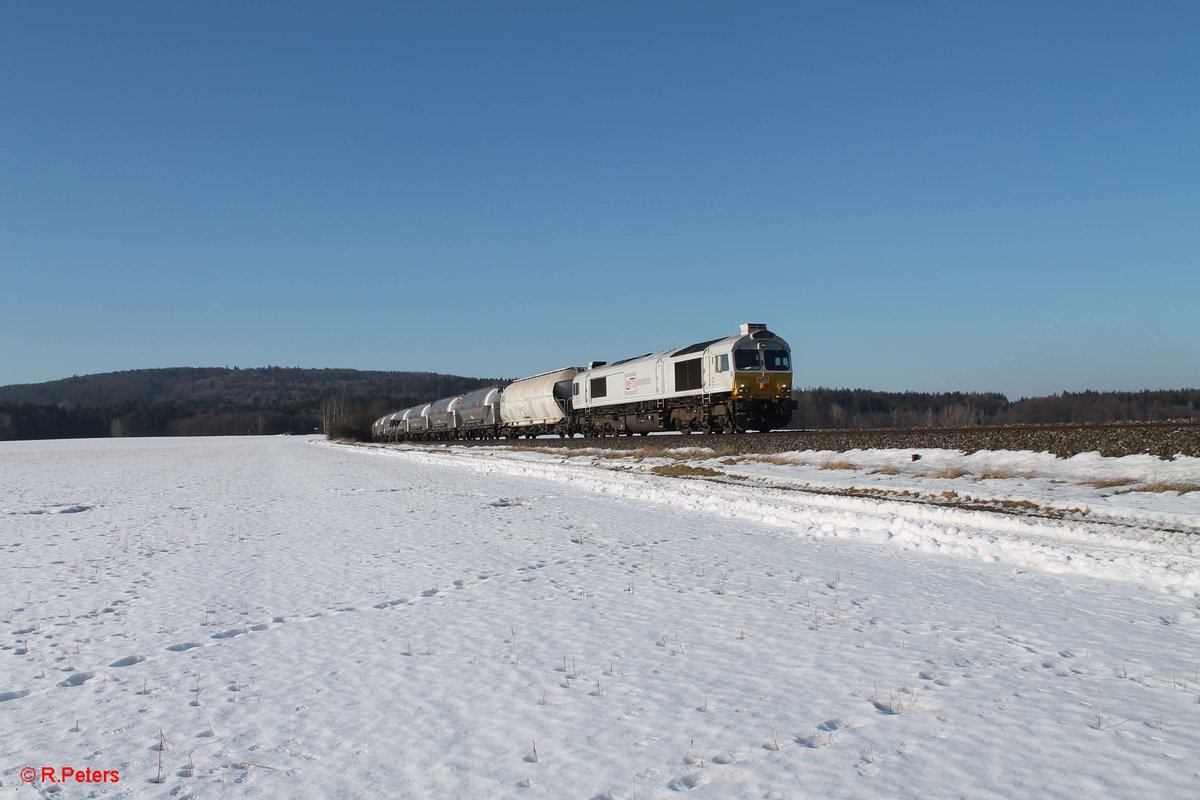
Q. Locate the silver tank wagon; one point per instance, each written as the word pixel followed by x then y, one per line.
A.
pixel 416 424
pixel 377 428
pixel 443 417
pixel 479 413
pixel 539 404
pixel 387 428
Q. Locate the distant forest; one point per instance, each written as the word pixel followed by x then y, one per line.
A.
pixel 213 401
pixel 862 408
pixel 275 400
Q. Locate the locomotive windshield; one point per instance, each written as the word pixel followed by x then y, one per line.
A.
pixel 777 360
pixel 746 359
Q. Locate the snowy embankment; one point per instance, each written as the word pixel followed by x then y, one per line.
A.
pixel 294 619
pixel 1028 509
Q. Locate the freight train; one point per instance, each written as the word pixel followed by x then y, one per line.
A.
pixel 727 385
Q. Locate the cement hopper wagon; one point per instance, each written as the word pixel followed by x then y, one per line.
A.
pixel 537 405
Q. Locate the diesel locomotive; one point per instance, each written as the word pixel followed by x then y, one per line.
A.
pixel 727 385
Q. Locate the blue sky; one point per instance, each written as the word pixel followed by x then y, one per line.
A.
pixel 917 195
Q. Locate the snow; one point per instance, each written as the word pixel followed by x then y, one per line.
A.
pixel 302 619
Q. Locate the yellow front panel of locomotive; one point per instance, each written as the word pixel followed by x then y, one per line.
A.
pixel 762 385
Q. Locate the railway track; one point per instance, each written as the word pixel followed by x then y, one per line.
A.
pixel 1164 439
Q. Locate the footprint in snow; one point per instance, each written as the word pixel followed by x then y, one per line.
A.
pixel 887 709
pixel 814 741
pixel 1089 670
pixel 229 634
pixel 938 678
pixel 686 783
pixel 17 695
pixel 128 661
pixel 78 679
pixel 506 502
pixel 182 646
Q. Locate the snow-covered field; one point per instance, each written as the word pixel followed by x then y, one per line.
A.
pixel 292 618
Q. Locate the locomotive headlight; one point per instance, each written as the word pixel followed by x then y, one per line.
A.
pixel 741 390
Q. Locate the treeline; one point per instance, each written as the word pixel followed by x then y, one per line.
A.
pixel 29 421
pixel 344 402
pixel 224 388
pixel 863 408
pixel 213 401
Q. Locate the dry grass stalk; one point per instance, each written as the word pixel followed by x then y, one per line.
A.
pixel 838 463
pixel 1017 504
pixel 720 451
pixel 782 461
pixel 1159 487
pixel 1107 483
pixel 684 471
pixel 990 473
pixel 949 472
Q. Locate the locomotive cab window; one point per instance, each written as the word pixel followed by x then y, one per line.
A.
pixel 599 387
pixel 721 363
pixel 575 389
pixel 746 359
pixel 777 360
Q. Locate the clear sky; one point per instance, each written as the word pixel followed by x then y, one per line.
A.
pixel 993 196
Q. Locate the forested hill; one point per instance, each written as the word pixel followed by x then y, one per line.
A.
pixel 212 401
pixel 272 400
